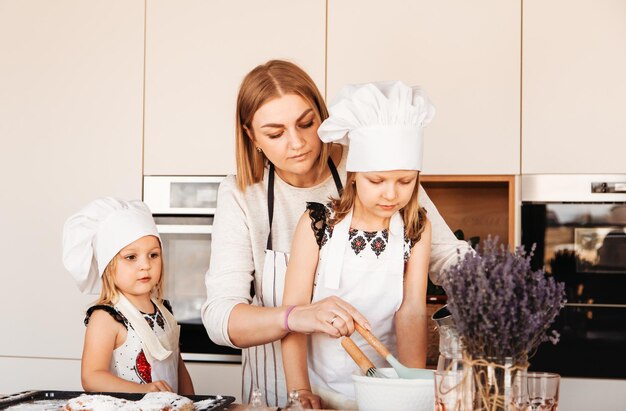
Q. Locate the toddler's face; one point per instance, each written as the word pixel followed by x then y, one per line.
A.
pixel 382 193
pixel 139 266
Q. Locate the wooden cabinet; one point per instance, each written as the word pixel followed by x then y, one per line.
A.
pixel 197 53
pixel 573 97
pixel 71 120
pixel 479 205
pixel 466 55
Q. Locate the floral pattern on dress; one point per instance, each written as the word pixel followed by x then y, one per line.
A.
pixel 359 240
pixel 369 235
pixel 358 244
pixel 378 246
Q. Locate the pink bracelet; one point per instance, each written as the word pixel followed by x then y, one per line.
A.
pixel 291 307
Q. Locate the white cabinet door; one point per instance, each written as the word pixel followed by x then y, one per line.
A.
pixel 197 53
pixel 24 374
pixel 214 378
pixel 574 86
pixel 70 123
pixel 466 55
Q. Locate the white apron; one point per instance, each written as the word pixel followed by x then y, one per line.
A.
pixel 263 364
pixel 161 352
pixel 374 286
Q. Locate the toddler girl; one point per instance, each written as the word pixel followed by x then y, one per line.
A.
pixel 131 341
pixel 370 247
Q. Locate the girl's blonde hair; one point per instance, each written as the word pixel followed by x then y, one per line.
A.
pixel 413 215
pixel 108 294
pixel 268 81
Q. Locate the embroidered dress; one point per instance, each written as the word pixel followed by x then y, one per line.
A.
pixel 128 360
pixel 365 244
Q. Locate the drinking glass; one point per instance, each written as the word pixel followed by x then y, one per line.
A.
pixel 453 391
pixel 543 390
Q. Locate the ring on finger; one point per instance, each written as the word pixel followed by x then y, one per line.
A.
pixel 332 321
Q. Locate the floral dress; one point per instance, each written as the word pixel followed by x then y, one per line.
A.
pixel 365 244
pixel 128 360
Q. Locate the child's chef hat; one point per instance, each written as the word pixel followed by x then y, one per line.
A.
pixel 382 122
pixel 94 235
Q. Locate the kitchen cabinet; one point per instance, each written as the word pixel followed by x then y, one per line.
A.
pixel 197 53
pixel 71 104
pixel 23 374
pixel 574 60
pixel 480 206
pixel 214 378
pixel 466 55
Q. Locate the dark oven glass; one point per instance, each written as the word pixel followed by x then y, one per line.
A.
pixel 583 245
pixel 186 253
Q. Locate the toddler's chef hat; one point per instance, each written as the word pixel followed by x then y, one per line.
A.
pixel 382 123
pixel 94 235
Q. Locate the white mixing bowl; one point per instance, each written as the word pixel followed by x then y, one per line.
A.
pixel 393 393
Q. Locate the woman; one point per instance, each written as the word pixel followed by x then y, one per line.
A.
pixel 281 164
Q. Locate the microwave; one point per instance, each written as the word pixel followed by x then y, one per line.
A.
pixel 183 208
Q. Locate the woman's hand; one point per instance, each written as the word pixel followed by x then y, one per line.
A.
pixel 309 400
pixel 332 316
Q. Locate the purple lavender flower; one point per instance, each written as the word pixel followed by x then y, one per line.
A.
pixel 501 307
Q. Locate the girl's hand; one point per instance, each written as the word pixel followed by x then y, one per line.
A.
pixel 158 386
pixel 309 400
pixel 332 316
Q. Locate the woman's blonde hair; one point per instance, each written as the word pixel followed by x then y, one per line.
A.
pixel 273 79
pixel 413 215
pixel 109 292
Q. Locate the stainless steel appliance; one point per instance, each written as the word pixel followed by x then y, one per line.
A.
pixel 578 223
pixel 183 208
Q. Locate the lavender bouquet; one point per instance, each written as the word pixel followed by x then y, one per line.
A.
pixel 501 307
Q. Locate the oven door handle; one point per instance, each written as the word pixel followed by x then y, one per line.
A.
pixel 184 229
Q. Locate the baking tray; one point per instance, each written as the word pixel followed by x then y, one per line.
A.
pixel 48 398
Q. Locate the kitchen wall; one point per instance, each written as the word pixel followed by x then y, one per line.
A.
pixel 94 95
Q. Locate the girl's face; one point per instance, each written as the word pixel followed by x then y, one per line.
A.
pixel 285 128
pixel 138 268
pixel 379 194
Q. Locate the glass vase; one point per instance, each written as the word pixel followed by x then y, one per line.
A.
pixel 492 382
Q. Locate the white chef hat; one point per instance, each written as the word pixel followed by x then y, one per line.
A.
pixel 382 123
pixel 94 235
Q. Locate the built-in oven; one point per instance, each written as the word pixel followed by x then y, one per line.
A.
pixel 183 209
pixel 578 223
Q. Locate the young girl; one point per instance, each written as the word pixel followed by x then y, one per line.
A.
pixel 131 342
pixel 370 247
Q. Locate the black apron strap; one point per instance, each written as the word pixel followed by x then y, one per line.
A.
pixel 270 204
pixel 333 171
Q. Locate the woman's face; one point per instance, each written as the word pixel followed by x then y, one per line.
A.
pixel 285 129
